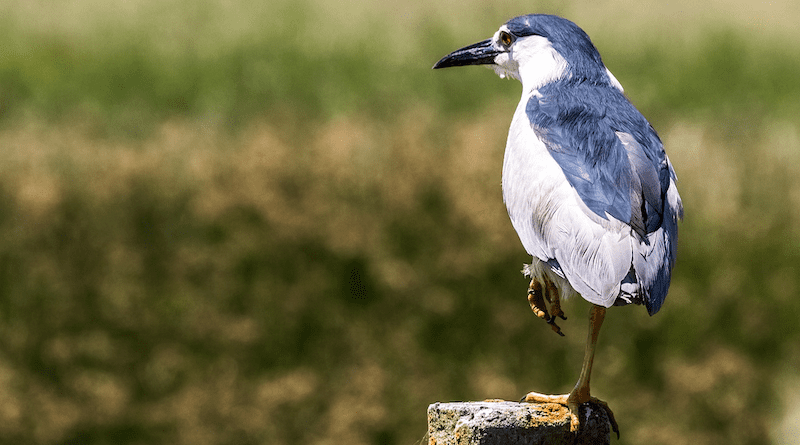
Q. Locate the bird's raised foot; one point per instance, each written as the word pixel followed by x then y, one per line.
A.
pixel 553 296
pixel 537 294
pixel 574 408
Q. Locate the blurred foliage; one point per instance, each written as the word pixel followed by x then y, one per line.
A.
pixel 229 234
pixel 128 82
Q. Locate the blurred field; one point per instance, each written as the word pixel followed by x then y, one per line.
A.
pixel 272 223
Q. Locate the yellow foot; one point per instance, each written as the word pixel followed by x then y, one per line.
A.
pixel 537 294
pixel 572 406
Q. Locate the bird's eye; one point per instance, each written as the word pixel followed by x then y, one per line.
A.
pixel 506 39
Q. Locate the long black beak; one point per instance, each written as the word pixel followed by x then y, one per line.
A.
pixel 481 53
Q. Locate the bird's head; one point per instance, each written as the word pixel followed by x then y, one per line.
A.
pixel 536 49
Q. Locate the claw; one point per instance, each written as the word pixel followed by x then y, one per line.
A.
pixel 609 413
pixel 552 322
pixel 552 295
pixel 536 298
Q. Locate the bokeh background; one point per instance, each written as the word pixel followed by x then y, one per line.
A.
pixel 249 222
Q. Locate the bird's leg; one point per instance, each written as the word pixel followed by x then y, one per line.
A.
pixel 580 394
pixel 536 296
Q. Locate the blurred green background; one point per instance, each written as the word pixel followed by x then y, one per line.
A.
pixel 249 222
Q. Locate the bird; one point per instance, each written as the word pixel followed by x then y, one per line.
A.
pixel 587 184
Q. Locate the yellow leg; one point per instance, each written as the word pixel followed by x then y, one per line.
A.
pixel 580 394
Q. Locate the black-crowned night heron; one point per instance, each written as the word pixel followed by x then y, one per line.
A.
pixel 586 181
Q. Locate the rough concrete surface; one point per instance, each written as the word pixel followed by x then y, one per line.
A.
pixel 499 422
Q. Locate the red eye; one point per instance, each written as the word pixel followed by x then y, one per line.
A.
pixel 505 38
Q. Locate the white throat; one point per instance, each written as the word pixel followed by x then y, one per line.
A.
pixel 533 61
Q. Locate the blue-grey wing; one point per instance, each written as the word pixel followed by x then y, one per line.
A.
pixel 609 153
pixel 616 163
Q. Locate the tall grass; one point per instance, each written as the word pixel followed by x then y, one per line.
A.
pixel 218 233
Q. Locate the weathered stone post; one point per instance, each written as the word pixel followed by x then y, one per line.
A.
pixel 499 422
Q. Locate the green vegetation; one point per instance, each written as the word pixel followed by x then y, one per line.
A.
pixel 217 229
